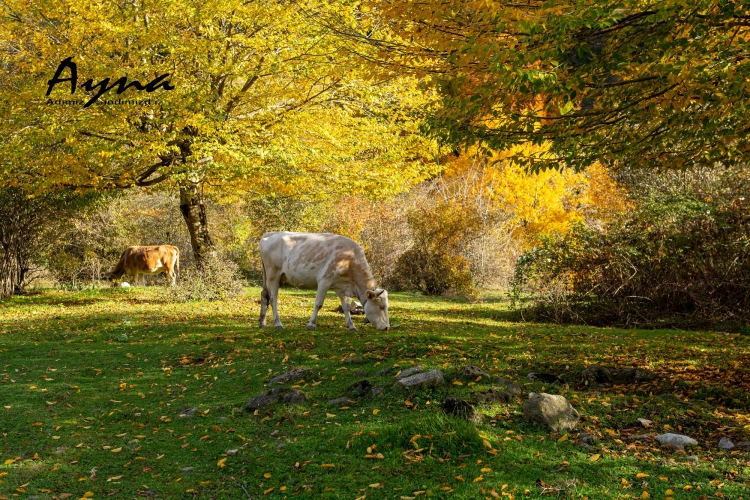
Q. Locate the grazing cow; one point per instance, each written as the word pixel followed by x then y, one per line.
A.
pixel 320 262
pixel 139 261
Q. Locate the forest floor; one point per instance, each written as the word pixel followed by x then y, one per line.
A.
pixel 94 383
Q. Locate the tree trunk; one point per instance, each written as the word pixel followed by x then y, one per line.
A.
pixel 194 212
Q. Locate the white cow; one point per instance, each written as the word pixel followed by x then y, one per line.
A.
pixel 320 262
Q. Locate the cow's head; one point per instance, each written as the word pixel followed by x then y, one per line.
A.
pixel 113 276
pixel 376 308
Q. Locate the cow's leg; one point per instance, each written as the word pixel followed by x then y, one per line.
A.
pixel 135 280
pixel 345 304
pixel 270 294
pixel 319 298
pixel 264 299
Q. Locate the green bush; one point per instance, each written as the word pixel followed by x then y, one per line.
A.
pixel 675 260
pixel 216 279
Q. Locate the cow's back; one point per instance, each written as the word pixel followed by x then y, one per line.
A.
pixel 302 258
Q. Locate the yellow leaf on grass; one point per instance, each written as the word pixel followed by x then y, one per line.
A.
pixel 687 487
pixel 594 458
pixel 222 463
pixel 88 494
pixel 114 478
pixel 641 475
pixel 327 465
pixel 408 403
pixel 116 450
pixel 645 494
pixel 564 438
pixel 330 415
pixel 669 492
pixel 486 469
pixel 375 411
pixel 477 479
pixel 269 490
pixel 457 382
pixel 267 475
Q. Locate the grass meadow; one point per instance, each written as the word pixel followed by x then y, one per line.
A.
pixel 92 385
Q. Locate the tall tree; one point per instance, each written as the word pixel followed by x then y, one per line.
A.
pixel 248 78
pixel 663 84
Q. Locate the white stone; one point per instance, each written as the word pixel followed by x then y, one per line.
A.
pixel 725 444
pixel 675 441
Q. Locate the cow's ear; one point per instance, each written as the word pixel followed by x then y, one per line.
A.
pixel 370 294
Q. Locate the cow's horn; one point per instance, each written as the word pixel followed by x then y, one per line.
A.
pixel 379 293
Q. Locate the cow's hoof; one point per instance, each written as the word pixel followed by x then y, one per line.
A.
pixel 310 327
pixel 278 327
pixel 353 328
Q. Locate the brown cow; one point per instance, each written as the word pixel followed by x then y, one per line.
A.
pixel 139 261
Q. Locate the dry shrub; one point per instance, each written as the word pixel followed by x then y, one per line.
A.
pixel 217 279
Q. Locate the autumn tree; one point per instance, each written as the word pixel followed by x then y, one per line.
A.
pixel 261 101
pixel 663 84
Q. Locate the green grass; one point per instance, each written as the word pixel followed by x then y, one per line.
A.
pixel 92 385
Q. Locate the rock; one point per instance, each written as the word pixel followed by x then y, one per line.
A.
pixel 472 372
pixel 513 388
pixel 461 409
pixel 646 422
pixel 692 459
pixel 605 375
pixel 409 372
pixel 551 410
pixel 187 469
pixel 501 381
pixel 340 401
pixel 283 395
pixel 743 445
pixel 353 360
pixel 584 446
pixel 385 371
pixel 232 451
pixel 188 411
pixel 354 308
pixel 587 438
pixel 547 378
pixel 432 377
pixel 361 388
pixel 280 446
pixel 725 444
pixel 360 373
pixel 493 395
pixel 291 375
pixel 376 390
pixel 675 441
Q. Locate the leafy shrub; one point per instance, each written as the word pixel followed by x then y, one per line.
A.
pixel 676 260
pixel 434 264
pixel 218 279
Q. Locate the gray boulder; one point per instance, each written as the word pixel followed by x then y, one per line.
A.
pixel 675 441
pixel 513 388
pixel 385 371
pixel 424 379
pixel 283 395
pixel 547 378
pixel 551 410
pixel 472 372
pixel 725 444
pixel 291 375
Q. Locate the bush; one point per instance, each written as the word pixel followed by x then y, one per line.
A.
pixel 218 279
pixel 676 260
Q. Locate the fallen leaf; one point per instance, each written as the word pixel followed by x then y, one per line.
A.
pixel 594 458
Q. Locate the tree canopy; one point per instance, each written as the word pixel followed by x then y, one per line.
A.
pixel 663 84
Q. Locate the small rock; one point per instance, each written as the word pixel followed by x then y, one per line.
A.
pixel 675 441
pixel 725 444
pixel 551 410
pixel 340 401
pixel 385 371
pixel 646 422
pixel 492 395
pixel 587 438
pixel 409 372
pixel 376 391
pixel 187 469
pixel 291 375
pixel 472 372
pixel 513 388
pixel 692 459
pixel 361 388
pixel 232 451
pixel 280 446
pixel 462 409
pixel 283 395
pixel 360 373
pixel 547 378
pixel 432 377
pixel 188 411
